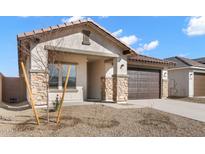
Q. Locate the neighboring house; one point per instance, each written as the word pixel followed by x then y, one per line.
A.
pixel 187 79
pixel 200 60
pixel 98 61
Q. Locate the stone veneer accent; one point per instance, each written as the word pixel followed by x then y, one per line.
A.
pixel 115 89
pixel 120 88
pixel 164 88
pixel 107 88
pixel 38 87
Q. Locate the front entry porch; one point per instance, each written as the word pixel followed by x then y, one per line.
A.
pixel 92 77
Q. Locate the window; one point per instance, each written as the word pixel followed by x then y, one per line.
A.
pixel 72 77
pixel 57 76
pixel 53 76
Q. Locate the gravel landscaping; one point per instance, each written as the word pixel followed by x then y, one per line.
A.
pixel 99 120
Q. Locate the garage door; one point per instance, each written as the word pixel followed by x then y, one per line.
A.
pixel 143 83
pixel 199 84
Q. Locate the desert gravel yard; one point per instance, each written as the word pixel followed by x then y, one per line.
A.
pixel 99 120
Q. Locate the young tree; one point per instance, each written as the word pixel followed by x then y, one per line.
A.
pixel 41 57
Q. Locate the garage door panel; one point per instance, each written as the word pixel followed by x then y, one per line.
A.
pixel 143 84
pixel 199 84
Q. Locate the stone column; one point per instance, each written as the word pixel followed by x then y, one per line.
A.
pixel 38 80
pixel 120 88
pixel 115 82
pixel 164 84
pixel 107 89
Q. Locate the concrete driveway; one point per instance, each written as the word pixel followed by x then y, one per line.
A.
pixel 186 109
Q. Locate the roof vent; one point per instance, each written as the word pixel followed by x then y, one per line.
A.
pixel 86 37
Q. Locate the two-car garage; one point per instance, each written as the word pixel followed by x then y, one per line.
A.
pixel 144 83
pixel 146 79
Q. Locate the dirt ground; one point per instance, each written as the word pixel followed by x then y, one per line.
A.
pixel 99 120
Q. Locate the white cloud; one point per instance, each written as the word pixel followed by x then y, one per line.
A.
pixel 129 40
pixel 140 50
pixel 151 45
pixel 117 33
pixel 148 46
pixel 73 18
pixel 196 26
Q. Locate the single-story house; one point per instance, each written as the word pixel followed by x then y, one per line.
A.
pixel 100 65
pixel 187 78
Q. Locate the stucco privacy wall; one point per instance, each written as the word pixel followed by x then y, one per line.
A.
pixel 13 89
pixel 0 87
pixel 179 83
pixel 72 38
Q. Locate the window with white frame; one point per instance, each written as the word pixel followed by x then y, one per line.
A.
pixel 57 76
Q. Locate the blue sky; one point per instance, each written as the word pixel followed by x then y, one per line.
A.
pixel 159 37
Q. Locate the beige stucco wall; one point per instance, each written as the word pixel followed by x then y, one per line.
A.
pixel 164 83
pixel 191 83
pixel 13 87
pixel 95 72
pixel 178 82
pixel 72 38
pixel 109 70
pixel 0 87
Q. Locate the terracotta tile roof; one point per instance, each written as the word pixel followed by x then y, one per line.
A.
pixel 147 59
pixel 71 24
pixel 134 57
pixel 43 30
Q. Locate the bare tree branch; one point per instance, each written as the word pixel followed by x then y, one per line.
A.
pixel 43 58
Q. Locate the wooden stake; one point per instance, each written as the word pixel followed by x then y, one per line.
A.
pixel 30 94
pixel 62 99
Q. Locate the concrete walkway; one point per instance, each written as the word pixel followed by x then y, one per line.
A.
pixel 194 111
pixel 15 107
